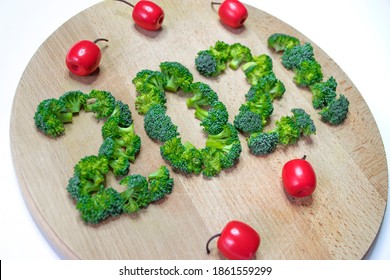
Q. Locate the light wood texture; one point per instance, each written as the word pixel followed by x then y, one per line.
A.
pixel 340 221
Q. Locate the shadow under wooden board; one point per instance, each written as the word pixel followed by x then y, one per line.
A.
pixel 339 221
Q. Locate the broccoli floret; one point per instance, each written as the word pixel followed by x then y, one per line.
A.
pixel 100 102
pixel 336 112
pixel 263 143
pixel 155 82
pixel 50 117
pixel 259 67
pixel 122 111
pixel 323 93
pixel 89 176
pixel 247 121
pixel 73 101
pixel 144 102
pixel 213 119
pixel 178 76
pixel 212 161
pixel 97 207
pixel 160 183
pixel 112 128
pixel 227 143
pixel 158 125
pixel 304 122
pixel 308 73
pixel 262 106
pixel 280 42
pixel 288 130
pixel 140 79
pixel 203 95
pixel 212 62
pixel 136 195
pixel 269 83
pixel 294 56
pixel 239 54
pixel 185 157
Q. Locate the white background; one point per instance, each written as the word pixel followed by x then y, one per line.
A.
pixel 354 33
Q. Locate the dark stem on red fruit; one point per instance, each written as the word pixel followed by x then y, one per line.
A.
pixel 304 157
pixel 123 1
pixel 215 3
pixel 99 40
pixel 208 242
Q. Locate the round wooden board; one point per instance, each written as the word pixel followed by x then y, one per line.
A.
pixel 341 219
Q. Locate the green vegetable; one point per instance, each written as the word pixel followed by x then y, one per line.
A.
pixel 323 93
pixel 212 62
pixel 177 75
pixel 100 102
pixel 259 67
pixel 247 121
pixel 160 183
pixel 185 158
pixel 279 42
pixel 336 112
pixel 270 84
pixel 73 101
pixel 263 143
pixel 97 207
pixel 50 117
pixel 203 95
pixel 293 57
pixel 158 125
pixel 308 73
pixel 238 54
pixel 136 195
pixel 213 119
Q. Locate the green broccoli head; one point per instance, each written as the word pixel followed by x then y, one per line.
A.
pixel 304 121
pixel 73 101
pixel 211 161
pixel 97 207
pixel 336 112
pixel 100 102
pixel 293 57
pixel 89 176
pixel 112 128
pixel 192 157
pixel 155 82
pixel 261 106
pixel 122 111
pixel 227 136
pixel 270 84
pixel 323 93
pixel 143 102
pixel 140 79
pixel 160 183
pixel 259 67
pixel 247 121
pixel 280 42
pixel 177 75
pixel 203 95
pixel 308 73
pixel 212 62
pixel 213 119
pixel 239 54
pixel 158 125
pixel 50 117
pixel 263 143
pixel 136 195
pixel 288 130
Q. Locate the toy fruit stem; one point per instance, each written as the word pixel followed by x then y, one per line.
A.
pixel 100 39
pixel 208 242
pixel 215 3
pixel 304 157
pixel 126 2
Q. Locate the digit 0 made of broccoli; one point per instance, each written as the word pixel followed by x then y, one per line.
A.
pixel 222 147
pixel 87 187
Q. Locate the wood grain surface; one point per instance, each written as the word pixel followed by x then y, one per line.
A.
pixel 339 221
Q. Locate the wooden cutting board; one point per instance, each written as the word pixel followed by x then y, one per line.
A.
pixel 341 219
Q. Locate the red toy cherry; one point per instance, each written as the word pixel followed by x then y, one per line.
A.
pixel 84 57
pixel 232 13
pixel 237 241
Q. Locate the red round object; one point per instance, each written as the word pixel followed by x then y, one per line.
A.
pixel 148 15
pixel 233 13
pixel 238 241
pixel 83 58
pixel 299 178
